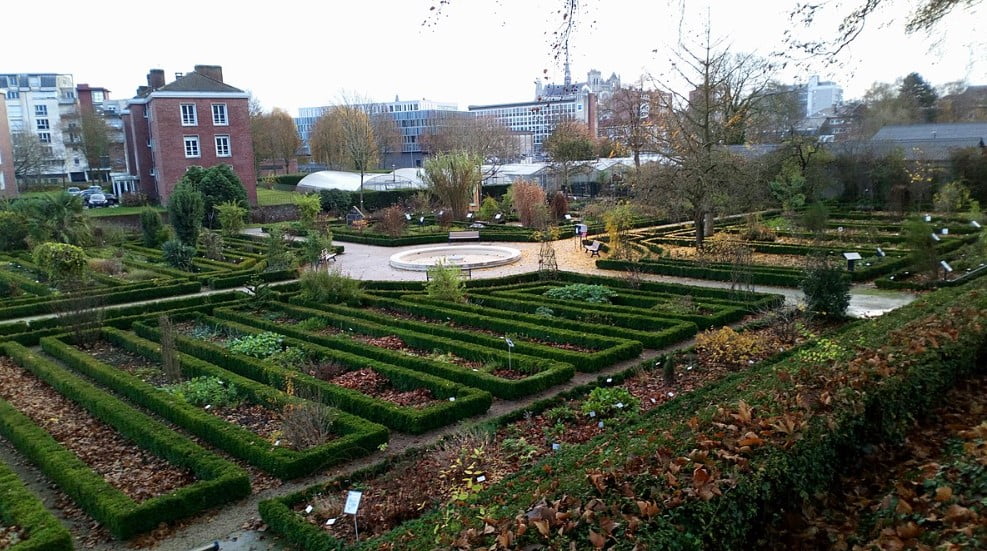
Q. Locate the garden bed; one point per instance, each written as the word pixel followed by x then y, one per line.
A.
pixel 127 467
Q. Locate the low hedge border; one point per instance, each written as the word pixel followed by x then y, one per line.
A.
pixel 25 284
pixel 543 373
pixel 219 480
pixel 620 315
pixel 21 508
pixel 942 339
pixel 608 350
pixel 457 401
pixel 754 301
pixel 356 437
pixel 114 296
pixel 237 280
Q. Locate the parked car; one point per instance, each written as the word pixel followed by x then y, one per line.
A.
pixel 108 198
pixel 74 191
pixel 96 200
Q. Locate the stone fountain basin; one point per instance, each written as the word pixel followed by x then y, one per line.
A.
pixel 470 257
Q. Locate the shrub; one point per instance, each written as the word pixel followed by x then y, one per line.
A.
pixel 217 184
pixel 488 208
pixel 212 244
pixel 558 206
pixel 335 200
pixel 610 402
pixel 261 345
pixel 291 357
pixel 815 217
pixel 62 263
pixel 231 217
pixel 15 230
pixel 133 200
pixel 178 255
pixel 529 201
pixel 308 208
pixel 170 361
pixel 315 243
pixel 727 348
pixel 329 287
pixel 185 208
pixel 598 294
pixel 392 221
pixel 827 289
pixel 277 254
pixel 206 391
pixel 307 424
pixel 108 266
pixel 445 283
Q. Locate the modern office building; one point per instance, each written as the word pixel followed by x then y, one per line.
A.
pixel 195 120
pixel 413 118
pixel 554 103
pixel 43 105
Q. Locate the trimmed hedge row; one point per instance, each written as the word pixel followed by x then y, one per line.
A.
pixel 876 396
pixel 25 284
pixel 542 374
pixel 457 401
pixel 21 508
pixel 357 437
pixel 608 350
pixel 620 315
pixel 237 280
pixel 112 296
pixel 219 481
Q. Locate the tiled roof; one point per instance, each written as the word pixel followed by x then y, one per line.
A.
pixel 933 131
pixel 195 82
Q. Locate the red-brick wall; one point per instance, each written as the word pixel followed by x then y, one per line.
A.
pixel 139 158
pixel 6 154
pixel 168 139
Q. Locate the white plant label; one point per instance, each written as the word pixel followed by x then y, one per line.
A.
pixel 592 414
pixel 481 478
pixel 352 502
pixel 308 509
pixel 556 447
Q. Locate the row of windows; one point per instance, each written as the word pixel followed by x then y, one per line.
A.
pixel 190 116
pixel 222 144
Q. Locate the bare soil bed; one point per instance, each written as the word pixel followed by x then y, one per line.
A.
pixel 135 472
pixel 374 384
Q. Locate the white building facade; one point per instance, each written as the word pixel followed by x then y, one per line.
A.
pixel 44 104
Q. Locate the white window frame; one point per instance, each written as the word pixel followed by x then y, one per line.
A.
pixel 44 137
pixel 192 147
pixel 223 120
pixel 40 110
pixel 42 124
pixel 220 149
pixel 190 116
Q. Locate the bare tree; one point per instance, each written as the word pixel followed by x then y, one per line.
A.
pixel 95 144
pixel 276 137
pixel 387 134
pixel 570 147
pixel 723 90
pixel 30 155
pixel 484 137
pixel 632 116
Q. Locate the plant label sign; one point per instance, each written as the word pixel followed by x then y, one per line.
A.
pixel 510 343
pixel 352 502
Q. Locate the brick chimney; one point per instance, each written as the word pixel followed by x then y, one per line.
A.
pixel 155 79
pixel 214 72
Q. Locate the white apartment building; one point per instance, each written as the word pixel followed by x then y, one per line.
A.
pixel 821 95
pixel 44 104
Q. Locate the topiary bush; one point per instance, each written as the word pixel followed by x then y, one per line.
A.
pixel 827 289
pixel 329 287
pixel 445 283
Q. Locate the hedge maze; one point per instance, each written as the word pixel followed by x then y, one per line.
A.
pixel 776 250
pixel 398 363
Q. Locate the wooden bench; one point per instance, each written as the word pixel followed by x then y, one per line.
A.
pixel 464 236
pixel 593 248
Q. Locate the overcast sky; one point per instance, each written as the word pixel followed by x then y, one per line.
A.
pixel 300 53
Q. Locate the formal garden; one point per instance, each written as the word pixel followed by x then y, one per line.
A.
pixel 158 375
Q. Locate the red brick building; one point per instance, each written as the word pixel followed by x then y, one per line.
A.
pixel 196 120
pixel 8 185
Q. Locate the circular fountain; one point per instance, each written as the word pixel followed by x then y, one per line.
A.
pixel 469 257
